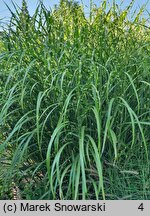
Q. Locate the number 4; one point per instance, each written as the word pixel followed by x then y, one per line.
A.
pixel 141 207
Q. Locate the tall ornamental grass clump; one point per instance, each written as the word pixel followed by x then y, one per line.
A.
pixel 75 103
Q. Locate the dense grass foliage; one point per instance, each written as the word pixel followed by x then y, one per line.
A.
pixel 75 103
